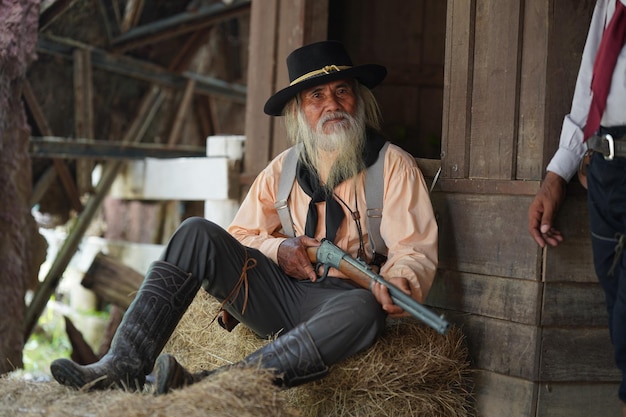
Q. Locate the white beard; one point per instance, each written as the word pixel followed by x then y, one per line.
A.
pixel 345 141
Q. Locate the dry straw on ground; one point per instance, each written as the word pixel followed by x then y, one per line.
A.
pixel 240 393
pixel 411 371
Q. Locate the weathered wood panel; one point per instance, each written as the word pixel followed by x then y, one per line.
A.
pixel 577 354
pixel 516 300
pixel 572 260
pixel 457 97
pixel 486 234
pixel 572 304
pixel 532 99
pixel 500 346
pixel 577 400
pixel 499 395
pixel 495 89
pixel 261 84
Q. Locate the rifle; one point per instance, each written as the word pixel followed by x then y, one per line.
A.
pixel 329 255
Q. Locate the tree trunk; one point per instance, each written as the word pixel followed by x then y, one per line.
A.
pixel 18 37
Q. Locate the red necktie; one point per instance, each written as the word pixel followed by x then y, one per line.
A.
pixel 610 46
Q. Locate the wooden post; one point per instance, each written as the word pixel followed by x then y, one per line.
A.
pixel 83 114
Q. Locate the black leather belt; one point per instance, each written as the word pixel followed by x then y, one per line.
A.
pixel 610 142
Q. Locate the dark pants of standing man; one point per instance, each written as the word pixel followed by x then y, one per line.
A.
pixel 341 318
pixel 607 218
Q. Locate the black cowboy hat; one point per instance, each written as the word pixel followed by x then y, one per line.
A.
pixel 319 63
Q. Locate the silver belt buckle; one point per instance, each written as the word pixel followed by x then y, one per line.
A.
pixel 611 143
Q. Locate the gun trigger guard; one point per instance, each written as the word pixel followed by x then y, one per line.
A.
pixel 326 268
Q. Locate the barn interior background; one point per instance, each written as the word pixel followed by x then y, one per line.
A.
pixel 477 88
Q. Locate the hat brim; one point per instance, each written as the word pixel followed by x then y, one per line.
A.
pixel 370 75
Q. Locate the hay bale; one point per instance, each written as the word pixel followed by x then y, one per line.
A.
pixel 200 343
pixel 412 370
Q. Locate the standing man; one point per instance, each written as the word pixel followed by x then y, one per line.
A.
pixel 263 277
pixel 597 122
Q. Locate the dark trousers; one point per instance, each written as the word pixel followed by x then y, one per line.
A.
pixel 341 318
pixel 607 218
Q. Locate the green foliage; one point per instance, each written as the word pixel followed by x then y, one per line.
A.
pixel 48 342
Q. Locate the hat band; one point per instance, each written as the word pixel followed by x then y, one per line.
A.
pixel 326 70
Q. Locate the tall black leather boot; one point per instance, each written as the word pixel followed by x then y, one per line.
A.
pixel 293 357
pixel 163 298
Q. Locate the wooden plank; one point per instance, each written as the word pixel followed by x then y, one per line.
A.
pixel 489 186
pixel 495 89
pixel 261 84
pixel 70 148
pixel 112 281
pixel 533 78
pixel 457 97
pixel 578 400
pixel 500 395
pixel 143 70
pixel 182 23
pixel 168 179
pixel 577 354
pixel 54 10
pixel 181 113
pixel 486 234
pixel 132 13
pixel 515 300
pixel 83 114
pixel 572 260
pixel 500 346
pixel 571 304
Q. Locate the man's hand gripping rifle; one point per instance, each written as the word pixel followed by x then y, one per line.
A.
pixel 329 255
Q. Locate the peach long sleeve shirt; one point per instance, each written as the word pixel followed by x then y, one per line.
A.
pixel 408 224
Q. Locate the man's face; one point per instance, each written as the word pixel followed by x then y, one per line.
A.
pixel 325 103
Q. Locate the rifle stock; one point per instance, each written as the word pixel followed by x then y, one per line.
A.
pixel 328 254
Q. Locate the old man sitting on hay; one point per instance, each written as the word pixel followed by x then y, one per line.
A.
pixel 259 268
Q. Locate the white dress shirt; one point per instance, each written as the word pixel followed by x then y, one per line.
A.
pixel 571 147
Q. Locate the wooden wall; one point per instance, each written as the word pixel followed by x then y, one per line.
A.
pixel 535 319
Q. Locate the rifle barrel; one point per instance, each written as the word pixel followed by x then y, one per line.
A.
pixel 329 254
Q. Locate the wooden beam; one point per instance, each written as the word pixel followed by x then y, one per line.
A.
pixel 83 114
pixel 181 114
pixel 59 167
pixel 77 148
pixel 51 13
pixel 132 13
pixel 180 24
pixel 188 51
pixel 202 111
pixel 143 70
